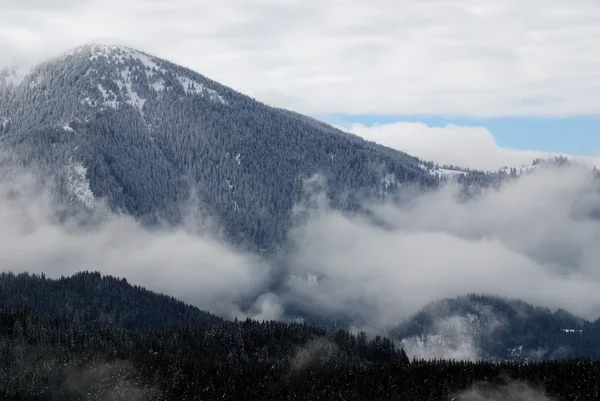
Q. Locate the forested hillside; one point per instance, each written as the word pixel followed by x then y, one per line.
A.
pixel 58 360
pixel 90 297
pixel 155 139
pixel 492 328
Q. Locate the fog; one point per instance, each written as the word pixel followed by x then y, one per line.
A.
pixel 534 239
pixel 194 267
pixel 512 391
pixel 539 229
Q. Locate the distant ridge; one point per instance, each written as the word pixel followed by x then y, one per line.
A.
pixel 91 297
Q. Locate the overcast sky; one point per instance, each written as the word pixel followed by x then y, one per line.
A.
pixel 477 60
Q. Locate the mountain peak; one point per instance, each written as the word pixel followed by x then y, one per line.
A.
pixel 118 53
pixel 119 75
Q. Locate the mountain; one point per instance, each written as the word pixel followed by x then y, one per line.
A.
pixel 90 297
pixel 152 138
pixel 488 327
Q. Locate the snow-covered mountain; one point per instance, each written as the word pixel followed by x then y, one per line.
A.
pixel 149 136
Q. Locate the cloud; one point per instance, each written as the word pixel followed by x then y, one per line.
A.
pixel 454 340
pixel 493 58
pixel 197 268
pixel 541 229
pixel 464 146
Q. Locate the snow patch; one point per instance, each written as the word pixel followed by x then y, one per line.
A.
pixel 148 63
pixel 192 87
pixel 87 101
pixel 78 183
pixel 442 172
pixel 447 172
pixel 108 97
pixel 121 54
pixel 122 57
pixel 133 98
pixel 158 86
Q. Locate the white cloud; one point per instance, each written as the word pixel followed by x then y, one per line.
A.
pixel 485 58
pixel 199 269
pixel 540 229
pixel 465 146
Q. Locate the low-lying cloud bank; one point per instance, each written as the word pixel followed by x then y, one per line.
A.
pixel 465 146
pixel 534 239
pixel 541 229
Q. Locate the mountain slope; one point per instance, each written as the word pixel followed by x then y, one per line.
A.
pixel 91 297
pixel 150 136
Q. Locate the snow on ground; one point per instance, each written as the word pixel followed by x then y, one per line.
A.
pixel 78 183
pixel 158 85
pixel 122 56
pixel 442 172
pixel 447 172
pixel 133 98
pixel 192 87
pixel 109 98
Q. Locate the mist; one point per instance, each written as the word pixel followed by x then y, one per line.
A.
pixel 533 239
pixel 197 268
pixel 513 391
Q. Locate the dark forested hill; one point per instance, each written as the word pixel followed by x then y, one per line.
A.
pixel 488 327
pixel 88 297
pixel 147 135
pixel 59 360
pixel 499 328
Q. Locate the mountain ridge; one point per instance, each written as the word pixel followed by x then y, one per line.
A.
pixel 92 297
